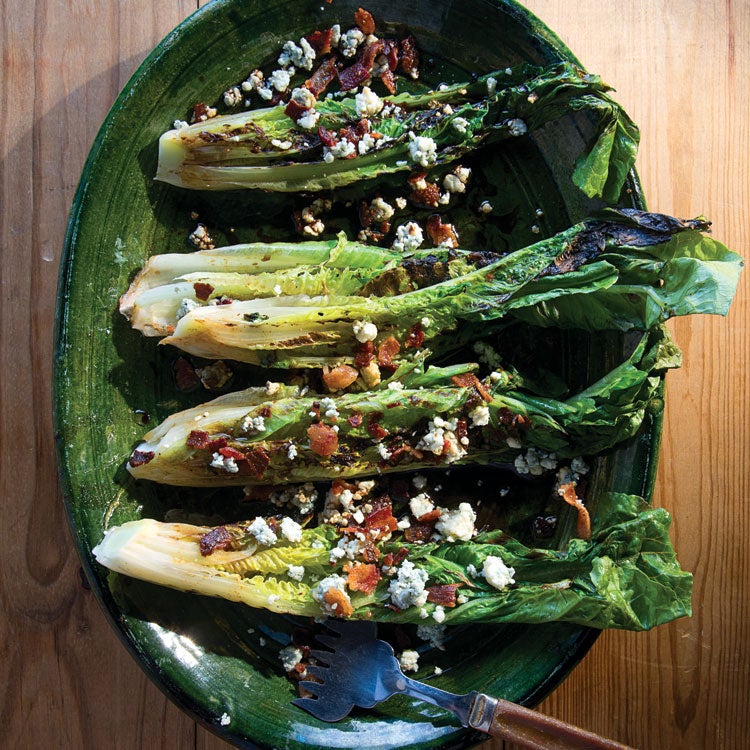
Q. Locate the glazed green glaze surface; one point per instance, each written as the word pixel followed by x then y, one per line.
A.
pixel 215 658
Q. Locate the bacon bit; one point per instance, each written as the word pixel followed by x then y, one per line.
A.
pixel 200 112
pixel 433 515
pixel 339 601
pixel 380 521
pixel 217 444
pixel 387 350
pixel 441 234
pixel 197 439
pixel 420 532
pixel 583 527
pixel 392 559
pixel 470 380
pixel 373 428
pixel 409 57
pixel 218 538
pixel 355 133
pixel 363 577
pixel 390 50
pixel 416 178
pixel 324 440
pixel 389 80
pixel 365 214
pixel 319 81
pixel 353 76
pixel 202 290
pixel 265 412
pixel 415 337
pixel 230 452
pixel 355 420
pixel 185 375
pixel 461 429
pixel 338 378
pixel 327 138
pixel 370 553
pixel 256 461
pixel 138 458
pixel 339 485
pixel 320 41
pixel 365 354
pixel 363 18
pixel 427 197
pixel 294 110
pixel 442 593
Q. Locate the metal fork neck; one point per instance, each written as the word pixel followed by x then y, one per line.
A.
pixel 461 705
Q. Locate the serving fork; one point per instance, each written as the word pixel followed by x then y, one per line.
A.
pixel 362 670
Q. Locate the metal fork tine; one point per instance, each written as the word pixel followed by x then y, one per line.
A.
pixel 316 688
pixel 318 671
pixel 325 656
pixel 325 711
pixel 328 640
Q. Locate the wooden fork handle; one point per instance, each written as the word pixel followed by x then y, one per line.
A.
pixel 532 730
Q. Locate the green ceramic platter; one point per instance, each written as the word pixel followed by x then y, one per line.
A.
pixel 213 658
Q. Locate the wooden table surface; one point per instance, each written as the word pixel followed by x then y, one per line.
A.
pixel 681 68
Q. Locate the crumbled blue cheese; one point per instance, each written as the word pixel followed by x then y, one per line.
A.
pixel 408 660
pixel 335 35
pixel 408 587
pixel 485 207
pixel 380 210
pixel 516 127
pixel 396 385
pixel 441 439
pixel 480 416
pixel 280 79
pixel 401 203
pixel 383 452
pixel 422 150
pixel 309 120
pixel 439 614
pixel 461 124
pixel 224 462
pixel 296 572
pixel 290 530
pixel 366 143
pixel 487 355
pixel 233 97
pixel 409 237
pixel 281 145
pixel 291 452
pixel 534 461
pixel 303 97
pixel 201 238
pixel 328 408
pixel 341 150
pixel 497 573
pixel 455 181
pixel 264 92
pixel 272 599
pixel 254 424
pixel 272 387
pixel 434 634
pixel 364 331
pixel 367 102
pixel 290 657
pixel 262 532
pixel 301 55
pixel 180 124
pixel 513 442
pixel 491 86
pixel 185 307
pixel 332 582
pixel 225 719
pixel 579 466
pixel 419 481
pixel 253 82
pixel 420 505
pixel 457 524
pixel 349 41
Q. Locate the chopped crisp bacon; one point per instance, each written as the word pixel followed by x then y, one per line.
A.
pixel 409 61
pixel 365 354
pixel 185 376
pixel 327 138
pixel 392 559
pixel 389 80
pixel 338 378
pixel 366 214
pixel 337 600
pixel 374 428
pixel 426 197
pixel 390 50
pixel 380 521
pixel 363 18
pixel 339 485
pixel 387 350
pixel 200 111
pixel 319 81
pixel 202 290
pixel 461 429
pixel 355 133
pixel 353 76
pixel 370 553
pixel 363 577
pixel 230 452
pixel 294 110
pixel 218 538
pixel 320 41
pixel 138 458
pixel 355 420
pixel 420 531
pixel 255 462
pixel 443 594
pixel 441 234
pixel 324 440
pixel 415 337
pixel 470 380
pixel 217 443
pixel 583 527
pixel 197 439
